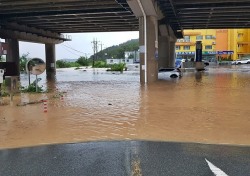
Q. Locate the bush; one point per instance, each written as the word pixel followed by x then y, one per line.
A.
pixel 32 88
pixel 100 64
pixel 63 64
pixel 117 67
pixel 74 64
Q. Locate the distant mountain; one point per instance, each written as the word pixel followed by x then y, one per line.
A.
pixel 69 60
pixel 117 51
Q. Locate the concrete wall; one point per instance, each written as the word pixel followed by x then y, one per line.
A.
pixel 118 61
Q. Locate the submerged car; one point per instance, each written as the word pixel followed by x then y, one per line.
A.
pixel 241 61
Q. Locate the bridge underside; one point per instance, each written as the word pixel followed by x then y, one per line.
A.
pixel 205 14
pixel 69 16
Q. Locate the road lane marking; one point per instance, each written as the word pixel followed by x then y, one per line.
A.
pixel 217 171
pixel 136 163
pixel 136 168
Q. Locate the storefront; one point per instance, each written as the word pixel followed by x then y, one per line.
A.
pixel 206 55
pixel 185 55
pixel 209 56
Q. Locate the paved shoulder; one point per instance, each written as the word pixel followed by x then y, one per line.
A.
pixel 126 158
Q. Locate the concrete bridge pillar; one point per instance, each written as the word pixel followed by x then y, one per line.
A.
pixel 13 52
pixel 50 60
pixel 150 68
pixel 167 41
pixel 164 52
pixel 172 54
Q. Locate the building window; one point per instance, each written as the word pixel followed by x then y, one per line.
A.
pixel 240 35
pixel 127 60
pixel 186 38
pixel 209 36
pixel 240 45
pixel 111 61
pixel 199 37
pixel 177 47
pixel 208 47
pixel 186 47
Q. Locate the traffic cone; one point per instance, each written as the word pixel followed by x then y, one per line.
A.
pixel 45 106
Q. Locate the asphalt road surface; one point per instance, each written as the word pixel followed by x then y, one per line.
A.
pixel 118 158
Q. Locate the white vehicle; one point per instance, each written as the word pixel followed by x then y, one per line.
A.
pixel 243 61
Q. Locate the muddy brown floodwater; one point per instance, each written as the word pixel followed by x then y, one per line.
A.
pixel 207 107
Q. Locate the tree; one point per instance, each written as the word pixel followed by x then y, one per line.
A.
pixel 23 60
pixel 83 61
pixel 62 64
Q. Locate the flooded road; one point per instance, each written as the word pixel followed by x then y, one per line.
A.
pixel 207 107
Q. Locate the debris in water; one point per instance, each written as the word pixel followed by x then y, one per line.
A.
pixel 29 103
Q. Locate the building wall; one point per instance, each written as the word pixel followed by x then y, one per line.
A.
pixel 118 61
pixel 221 40
pixel 232 42
pixel 208 39
pixel 237 40
pixel 242 40
pixel 132 55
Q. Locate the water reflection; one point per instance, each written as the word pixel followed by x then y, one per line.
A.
pixel 198 76
pixel 208 106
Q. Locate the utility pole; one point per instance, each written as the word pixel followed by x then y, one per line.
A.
pixel 95 49
pixel 101 45
pixel 101 49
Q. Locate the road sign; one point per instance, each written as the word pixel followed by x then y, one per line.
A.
pixel 1 76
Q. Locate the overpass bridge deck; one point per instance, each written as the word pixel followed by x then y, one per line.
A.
pixel 69 16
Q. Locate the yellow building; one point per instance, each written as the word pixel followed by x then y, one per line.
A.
pixel 239 41
pixel 217 44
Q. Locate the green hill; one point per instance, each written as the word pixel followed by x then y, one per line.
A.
pixel 117 51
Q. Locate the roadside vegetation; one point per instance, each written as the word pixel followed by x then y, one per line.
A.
pixel 64 64
pixel 117 67
pixel 3 90
pixel 23 60
pixel 97 61
pixel 32 88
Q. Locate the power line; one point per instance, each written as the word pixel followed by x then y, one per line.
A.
pixel 71 52
pixel 73 49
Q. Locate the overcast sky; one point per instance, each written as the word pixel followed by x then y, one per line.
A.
pixel 79 46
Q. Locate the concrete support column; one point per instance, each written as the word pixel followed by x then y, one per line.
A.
pixel 50 60
pixel 172 54
pixel 198 56
pixel 13 53
pixel 152 49
pixel 164 52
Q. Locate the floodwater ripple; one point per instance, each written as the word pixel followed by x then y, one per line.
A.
pixel 208 107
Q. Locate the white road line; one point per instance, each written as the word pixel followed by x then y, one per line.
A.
pixel 217 171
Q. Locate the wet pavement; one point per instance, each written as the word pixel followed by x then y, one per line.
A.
pixel 125 158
